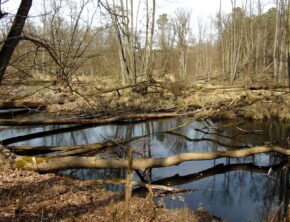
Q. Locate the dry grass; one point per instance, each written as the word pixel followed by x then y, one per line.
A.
pixel 88 98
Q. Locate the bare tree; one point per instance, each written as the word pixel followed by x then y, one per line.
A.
pixel 181 25
pixel 2 14
pixel 67 41
pixel 14 36
pixel 149 39
pixel 288 40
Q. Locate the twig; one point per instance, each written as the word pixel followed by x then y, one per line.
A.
pixel 179 126
pixel 276 212
pixel 207 139
pixel 141 184
pixel 248 132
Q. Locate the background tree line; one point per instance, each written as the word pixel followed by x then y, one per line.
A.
pixel 127 40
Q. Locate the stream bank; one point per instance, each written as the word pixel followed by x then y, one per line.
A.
pixel 29 196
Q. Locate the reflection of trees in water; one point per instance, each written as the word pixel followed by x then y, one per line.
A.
pixel 236 185
pixel 256 188
pixel 239 183
pixel 90 174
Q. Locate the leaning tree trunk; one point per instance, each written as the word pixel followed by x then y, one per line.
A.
pixel 288 40
pixel 14 36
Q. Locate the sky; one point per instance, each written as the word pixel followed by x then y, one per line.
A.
pixel 200 9
pixel 197 7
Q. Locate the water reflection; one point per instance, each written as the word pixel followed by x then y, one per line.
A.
pixel 235 189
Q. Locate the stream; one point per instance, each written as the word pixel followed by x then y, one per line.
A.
pixel 233 189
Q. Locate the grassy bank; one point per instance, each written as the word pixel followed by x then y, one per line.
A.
pixel 106 97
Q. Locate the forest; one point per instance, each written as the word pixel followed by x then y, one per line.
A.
pixel 115 110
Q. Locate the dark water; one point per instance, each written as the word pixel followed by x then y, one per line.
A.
pixel 234 189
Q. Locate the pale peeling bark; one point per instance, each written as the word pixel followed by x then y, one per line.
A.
pixel 46 164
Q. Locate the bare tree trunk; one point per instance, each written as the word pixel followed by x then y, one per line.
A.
pixel 275 51
pixel 14 36
pixel 149 41
pixel 234 49
pixel 287 14
pixel 283 42
pixel 221 39
pixel 124 70
pixel 183 62
pixel 181 26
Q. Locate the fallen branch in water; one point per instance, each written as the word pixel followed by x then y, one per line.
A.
pixel 207 139
pixel 16 104
pixel 257 132
pixel 277 212
pixel 10 113
pixel 61 151
pixel 16 139
pixel 178 180
pixel 118 119
pixel 215 133
pixel 46 164
pixel 221 127
pixel 136 183
pixel 179 126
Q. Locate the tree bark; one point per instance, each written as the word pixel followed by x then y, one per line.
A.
pixel 47 164
pixel 276 39
pixel 14 36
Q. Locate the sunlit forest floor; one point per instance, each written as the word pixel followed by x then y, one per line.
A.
pixel 29 196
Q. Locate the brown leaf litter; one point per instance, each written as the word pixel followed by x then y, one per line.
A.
pixel 29 196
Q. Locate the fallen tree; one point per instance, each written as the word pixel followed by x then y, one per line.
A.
pixel 61 151
pixel 31 136
pixel 118 119
pixel 178 180
pixel 24 104
pixel 10 113
pixel 46 164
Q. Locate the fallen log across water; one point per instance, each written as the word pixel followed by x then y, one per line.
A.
pixel 13 112
pixel 31 136
pixel 24 104
pixel 178 180
pixel 118 119
pixel 61 151
pixel 46 164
